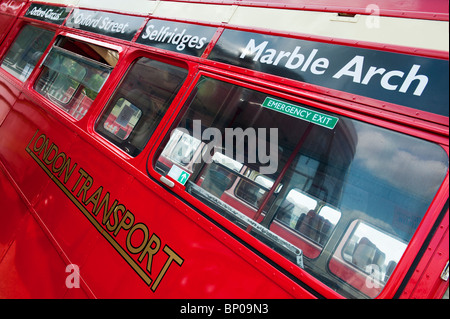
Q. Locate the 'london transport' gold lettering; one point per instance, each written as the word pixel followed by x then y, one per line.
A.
pixel 108 215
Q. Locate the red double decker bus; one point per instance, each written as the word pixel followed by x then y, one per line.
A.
pixel 224 149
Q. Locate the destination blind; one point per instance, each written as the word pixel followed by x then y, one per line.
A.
pixel 114 25
pixel 413 81
pixel 179 37
pixel 46 13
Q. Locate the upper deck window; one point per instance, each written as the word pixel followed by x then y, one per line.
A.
pixel 26 51
pixel 73 74
pixel 348 194
pixel 139 103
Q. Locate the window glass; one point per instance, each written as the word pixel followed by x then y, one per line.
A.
pixel 181 148
pixel 309 189
pixel 122 119
pixel 74 73
pixel 26 51
pixel 300 212
pixel 373 251
pixel 140 102
pixel 253 187
pixel 370 253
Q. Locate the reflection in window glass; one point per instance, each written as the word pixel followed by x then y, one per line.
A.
pixel 122 119
pixel 139 104
pixel 369 248
pixel 300 212
pixel 253 187
pixel 181 148
pixel 295 205
pixel 26 51
pixel 74 73
pixel 369 256
pixel 307 217
pixel 227 162
pixel 331 187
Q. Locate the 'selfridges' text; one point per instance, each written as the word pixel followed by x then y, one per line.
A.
pixel 178 38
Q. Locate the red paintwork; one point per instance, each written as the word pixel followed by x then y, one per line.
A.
pixel 42 230
pixel 435 9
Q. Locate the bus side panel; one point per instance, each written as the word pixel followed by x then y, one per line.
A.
pixel 36 150
pixel 9 10
pixel 8 96
pixel 92 218
pixel 25 122
pixel 69 228
pixel 12 212
pixel 208 252
pixel 70 204
pixel 6 22
pixel 90 215
pixel 32 268
pixel 205 271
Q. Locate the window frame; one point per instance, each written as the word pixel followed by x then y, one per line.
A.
pixel 9 41
pixel 132 60
pixel 123 67
pixel 99 100
pixel 59 106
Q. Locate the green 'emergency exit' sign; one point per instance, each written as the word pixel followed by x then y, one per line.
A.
pixel 301 113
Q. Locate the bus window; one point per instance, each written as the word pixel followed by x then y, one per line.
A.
pixel 73 74
pixel 326 178
pixel 26 51
pixel 139 103
pixel 215 115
